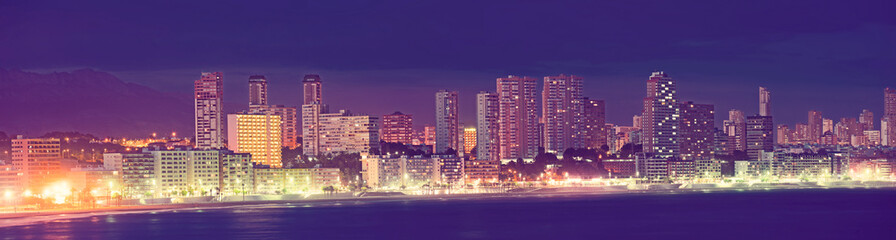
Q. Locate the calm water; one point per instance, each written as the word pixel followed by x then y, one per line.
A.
pixel 792 214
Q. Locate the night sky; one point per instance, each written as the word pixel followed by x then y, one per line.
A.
pixel 377 57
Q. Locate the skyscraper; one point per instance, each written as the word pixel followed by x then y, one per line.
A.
pixel 736 128
pixel 660 118
pixel 209 95
pixel 429 136
pixel 816 124
pixel 562 112
pixel 765 105
pixel 258 90
pixel 256 134
pixel 289 122
pixel 827 125
pixel 866 118
pixel 595 124
pixel 890 115
pixel 312 89
pixel 760 135
pixel 518 117
pixel 487 112
pixel 446 121
pixel 289 126
pixel 398 128
pixel 784 135
pixel 696 131
pixel 311 127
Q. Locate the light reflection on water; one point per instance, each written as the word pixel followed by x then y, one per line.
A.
pixel 792 214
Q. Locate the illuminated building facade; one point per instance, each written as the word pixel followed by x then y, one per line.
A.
pixel 256 134
pixel 482 171
pixel 38 161
pixel 446 122
pixel 760 135
pixel 487 113
pixel 594 125
pixel 562 112
pixel 518 133
pixel 209 124
pixel 890 115
pixel 736 128
pixel 866 118
pixel 349 133
pixel 429 135
pixel 816 125
pixel 696 130
pixel 661 117
pixel 469 140
pixel 398 128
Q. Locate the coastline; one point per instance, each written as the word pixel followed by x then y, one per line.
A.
pixel 33 217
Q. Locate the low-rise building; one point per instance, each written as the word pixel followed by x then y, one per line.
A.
pixel 482 171
pixel 621 167
pixel 412 171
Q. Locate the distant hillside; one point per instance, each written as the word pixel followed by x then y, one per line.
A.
pixel 88 101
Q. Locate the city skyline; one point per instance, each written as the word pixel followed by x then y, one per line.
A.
pixel 501 119
pixel 831 51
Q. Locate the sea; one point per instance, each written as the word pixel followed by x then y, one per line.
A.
pixel 750 214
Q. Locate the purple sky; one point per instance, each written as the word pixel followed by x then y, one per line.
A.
pixel 378 57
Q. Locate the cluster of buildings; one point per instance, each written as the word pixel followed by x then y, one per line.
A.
pixel 243 152
pixel 855 132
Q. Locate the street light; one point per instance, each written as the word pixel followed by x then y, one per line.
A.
pixel 8 196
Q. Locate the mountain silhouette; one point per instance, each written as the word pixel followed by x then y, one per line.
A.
pixel 88 101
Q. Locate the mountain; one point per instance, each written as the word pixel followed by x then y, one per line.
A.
pixel 88 101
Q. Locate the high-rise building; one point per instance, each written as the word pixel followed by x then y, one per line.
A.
pixel 38 160
pixel 720 141
pixel 312 89
pixel 289 125
pixel 594 124
pixel 660 118
pixel 562 112
pixel 801 131
pixel 258 90
pixel 487 111
pixel 884 139
pixel 784 135
pixel 398 128
pixel 736 128
pixel 311 114
pixel 349 133
pixel 209 96
pixel 429 135
pixel 469 141
pixel 518 117
pixel 827 125
pixel 636 121
pixel 866 118
pixel 815 126
pixel 765 105
pixel 760 135
pixel 446 121
pixel 696 131
pixel 256 134
pixel 289 122
pixel 890 115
